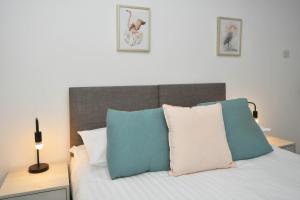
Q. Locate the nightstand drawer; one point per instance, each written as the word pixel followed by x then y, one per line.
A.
pixel 50 195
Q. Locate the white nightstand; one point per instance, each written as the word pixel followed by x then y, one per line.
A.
pixel 50 185
pixel 282 143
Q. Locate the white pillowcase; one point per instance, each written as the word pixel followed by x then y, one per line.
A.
pixel 197 139
pixel 95 142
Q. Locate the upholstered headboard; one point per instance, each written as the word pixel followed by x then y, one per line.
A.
pixel 88 105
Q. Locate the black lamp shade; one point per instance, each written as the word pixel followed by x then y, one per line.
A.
pixel 255 114
pixel 38 137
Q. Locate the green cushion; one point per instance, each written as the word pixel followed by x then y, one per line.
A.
pixel 245 138
pixel 137 142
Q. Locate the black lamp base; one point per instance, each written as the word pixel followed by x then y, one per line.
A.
pixel 42 167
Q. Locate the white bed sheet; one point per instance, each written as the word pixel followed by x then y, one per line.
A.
pixel 275 176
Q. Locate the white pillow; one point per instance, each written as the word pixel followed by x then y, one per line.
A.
pixel 197 139
pixel 95 142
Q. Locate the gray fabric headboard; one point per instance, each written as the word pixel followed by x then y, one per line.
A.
pixel 88 105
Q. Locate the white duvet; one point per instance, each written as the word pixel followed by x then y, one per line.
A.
pixel 275 176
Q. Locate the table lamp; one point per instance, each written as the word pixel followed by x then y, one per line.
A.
pixel 38 167
pixel 254 113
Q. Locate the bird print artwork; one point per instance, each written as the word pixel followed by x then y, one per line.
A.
pixel 133 28
pixel 229 36
pixel 228 39
pixel 133 36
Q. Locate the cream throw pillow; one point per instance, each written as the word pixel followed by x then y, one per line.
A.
pixel 197 139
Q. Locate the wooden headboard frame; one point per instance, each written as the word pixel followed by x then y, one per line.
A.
pixel 88 105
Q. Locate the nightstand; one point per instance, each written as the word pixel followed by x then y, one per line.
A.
pixel 282 143
pixel 50 185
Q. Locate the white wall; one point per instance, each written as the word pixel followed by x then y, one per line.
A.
pixel 47 46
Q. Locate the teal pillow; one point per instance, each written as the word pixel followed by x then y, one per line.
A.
pixel 137 142
pixel 245 138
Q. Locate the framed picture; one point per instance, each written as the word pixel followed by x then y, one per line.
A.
pixel 229 35
pixel 133 28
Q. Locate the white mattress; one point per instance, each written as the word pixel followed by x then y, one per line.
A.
pixel 275 176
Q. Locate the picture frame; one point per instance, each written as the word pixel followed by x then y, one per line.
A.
pixel 133 28
pixel 229 36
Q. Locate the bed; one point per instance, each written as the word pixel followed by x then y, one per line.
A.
pixel 272 176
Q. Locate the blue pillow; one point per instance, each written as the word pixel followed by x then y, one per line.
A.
pixel 137 142
pixel 245 138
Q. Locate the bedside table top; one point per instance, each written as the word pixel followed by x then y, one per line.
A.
pixel 22 182
pixel 279 142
